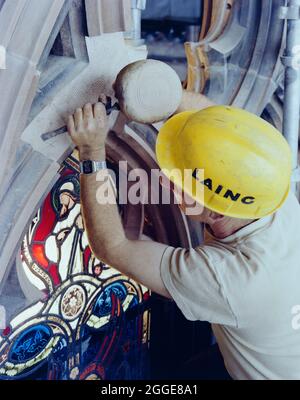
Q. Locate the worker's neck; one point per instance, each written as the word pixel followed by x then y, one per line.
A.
pixel 227 226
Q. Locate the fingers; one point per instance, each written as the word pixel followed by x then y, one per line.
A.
pixel 88 112
pixel 78 117
pixel 99 111
pixel 83 115
pixel 71 125
pixel 103 98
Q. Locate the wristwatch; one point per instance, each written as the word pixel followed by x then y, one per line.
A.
pixel 88 167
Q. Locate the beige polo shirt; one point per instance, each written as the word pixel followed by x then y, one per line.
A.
pixel 247 286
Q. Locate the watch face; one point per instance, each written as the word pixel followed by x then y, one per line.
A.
pixel 87 167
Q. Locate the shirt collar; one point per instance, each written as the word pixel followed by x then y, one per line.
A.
pixel 241 233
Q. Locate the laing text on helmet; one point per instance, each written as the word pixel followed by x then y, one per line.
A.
pixel 226 193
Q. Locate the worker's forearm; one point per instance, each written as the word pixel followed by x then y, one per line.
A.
pixel 194 101
pixel 102 221
pixel 139 260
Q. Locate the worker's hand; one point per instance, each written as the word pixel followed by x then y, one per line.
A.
pixel 88 128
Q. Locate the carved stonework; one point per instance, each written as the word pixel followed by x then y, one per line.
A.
pixel 106 16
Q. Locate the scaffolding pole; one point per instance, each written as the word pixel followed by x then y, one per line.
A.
pixel 291 61
pixel 137 6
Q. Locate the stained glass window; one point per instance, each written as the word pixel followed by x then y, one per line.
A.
pixel 91 321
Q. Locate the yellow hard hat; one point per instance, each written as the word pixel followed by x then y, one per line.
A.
pixel 246 161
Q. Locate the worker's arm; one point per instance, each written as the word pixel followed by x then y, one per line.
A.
pixel 139 260
pixel 193 101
